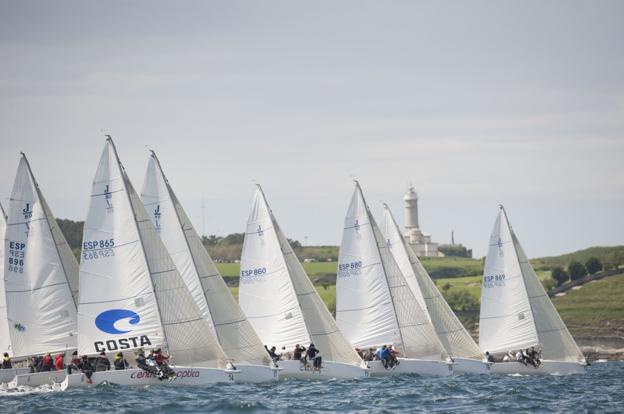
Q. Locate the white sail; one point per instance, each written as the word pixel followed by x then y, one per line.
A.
pixel 266 293
pixel 316 324
pixel 506 321
pixel 236 336
pixel 131 294
pixel 456 340
pixel 369 277
pixel 553 336
pixel 5 339
pixel 39 276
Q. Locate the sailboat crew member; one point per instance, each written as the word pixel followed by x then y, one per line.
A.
pixel 6 361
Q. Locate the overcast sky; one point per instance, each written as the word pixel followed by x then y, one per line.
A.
pixel 474 102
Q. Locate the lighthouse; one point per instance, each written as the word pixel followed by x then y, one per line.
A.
pixel 420 242
pixel 411 208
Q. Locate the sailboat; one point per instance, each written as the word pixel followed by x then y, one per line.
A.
pixel 6 375
pixel 282 304
pixel 40 279
pixel 131 294
pixel 516 312
pixel 210 292
pixel 456 340
pixel 374 304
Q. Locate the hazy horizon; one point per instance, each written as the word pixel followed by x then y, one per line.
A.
pixel 475 103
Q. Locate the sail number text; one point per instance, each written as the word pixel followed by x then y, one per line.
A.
pixel 350 269
pixel 494 280
pixel 17 252
pixel 96 249
pixel 252 275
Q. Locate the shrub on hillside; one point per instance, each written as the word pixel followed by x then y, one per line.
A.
pixel 559 275
pixel 461 300
pixel 549 283
pixel 593 265
pixel 577 270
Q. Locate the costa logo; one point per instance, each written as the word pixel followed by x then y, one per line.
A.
pixel 106 320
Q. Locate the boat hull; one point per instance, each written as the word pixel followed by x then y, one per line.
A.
pixel 37 379
pixel 186 376
pixel 329 370
pixel 470 366
pixel 546 368
pixel 7 375
pixel 256 373
pixel 412 366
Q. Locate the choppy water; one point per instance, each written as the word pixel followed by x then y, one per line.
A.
pixel 600 390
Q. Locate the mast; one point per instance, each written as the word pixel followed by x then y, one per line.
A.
pixel 140 236
pixel 513 242
pixel 45 212
pixel 383 266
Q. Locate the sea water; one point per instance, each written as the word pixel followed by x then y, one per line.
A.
pixel 601 389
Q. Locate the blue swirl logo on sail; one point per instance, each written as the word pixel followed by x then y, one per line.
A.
pixel 106 320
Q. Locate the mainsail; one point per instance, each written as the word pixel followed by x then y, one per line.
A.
pixel 456 340
pixel 516 312
pixel 131 293
pixel 236 336
pixel 374 304
pixel 40 273
pixel 277 295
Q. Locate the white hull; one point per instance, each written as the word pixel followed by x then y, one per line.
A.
pixel 470 366
pixel 7 375
pixel 412 366
pixel 186 376
pixel 547 368
pixel 37 379
pixel 256 373
pixel 329 370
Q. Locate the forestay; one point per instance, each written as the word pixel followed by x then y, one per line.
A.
pixel 454 337
pixel 5 339
pixel 506 321
pixel 380 278
pixel 39 275
pixel 131 294
pixel 210 292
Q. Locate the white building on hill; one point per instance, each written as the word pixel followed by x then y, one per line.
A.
pixel 420 242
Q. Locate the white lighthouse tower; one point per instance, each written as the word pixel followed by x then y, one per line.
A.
pixel 420 242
